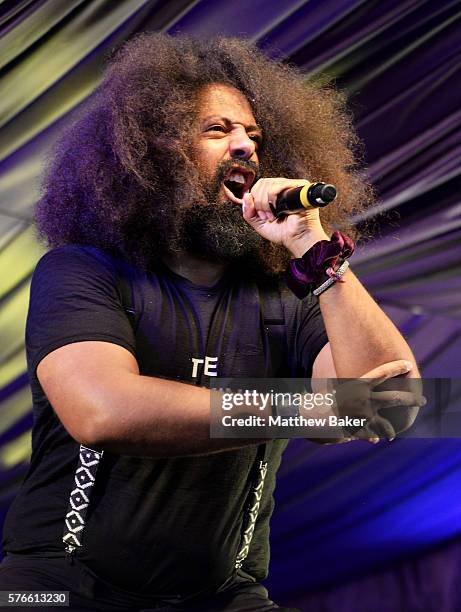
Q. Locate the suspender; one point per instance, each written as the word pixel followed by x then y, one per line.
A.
pixel 88 458
pixel 253 503
pixel 85 476
pixel 126 291
pixel 273 320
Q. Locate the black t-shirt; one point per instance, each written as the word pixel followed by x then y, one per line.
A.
pixel 156 526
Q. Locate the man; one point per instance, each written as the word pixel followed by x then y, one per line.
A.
pixel 167 263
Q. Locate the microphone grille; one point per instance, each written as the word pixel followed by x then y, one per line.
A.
pixel 328 193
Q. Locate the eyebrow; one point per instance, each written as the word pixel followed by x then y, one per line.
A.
pixel 228 122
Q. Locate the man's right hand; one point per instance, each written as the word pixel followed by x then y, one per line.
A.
pixel 388 411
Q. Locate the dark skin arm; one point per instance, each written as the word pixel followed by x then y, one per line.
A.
pixel 98 394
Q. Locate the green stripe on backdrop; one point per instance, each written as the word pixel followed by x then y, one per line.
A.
pixel 14 408
pixel 60 52
pixel 14 312
pixel 34 28
pixel 13 366
pixel 15 452
pixel 18 260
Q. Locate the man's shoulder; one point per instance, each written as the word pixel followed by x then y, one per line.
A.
pixel 77 253
pixel 77 267
pixel 76 260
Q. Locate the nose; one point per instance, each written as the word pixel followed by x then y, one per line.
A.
pixel 241 146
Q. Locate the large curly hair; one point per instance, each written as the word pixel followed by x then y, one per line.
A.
pixel 120 174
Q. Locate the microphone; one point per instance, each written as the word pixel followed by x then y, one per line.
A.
pixel 312 195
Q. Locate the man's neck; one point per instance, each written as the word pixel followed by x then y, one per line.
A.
pixel 198 271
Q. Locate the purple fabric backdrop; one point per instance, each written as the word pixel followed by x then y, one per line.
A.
pixel 346 511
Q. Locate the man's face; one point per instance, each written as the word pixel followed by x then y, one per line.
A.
pixel 226 143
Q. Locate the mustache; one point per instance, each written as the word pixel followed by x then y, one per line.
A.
pixel 224 167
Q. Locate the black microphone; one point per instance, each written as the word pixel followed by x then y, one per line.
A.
pixel 312 195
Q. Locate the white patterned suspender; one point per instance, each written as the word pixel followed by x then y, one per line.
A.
pixel 85 475
pixel 275 330
pixel 88 458
pixel 254 501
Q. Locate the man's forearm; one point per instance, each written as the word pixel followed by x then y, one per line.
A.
pixel 148 416
pixel 361 335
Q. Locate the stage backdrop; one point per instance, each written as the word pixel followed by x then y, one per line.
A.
pixel 346 511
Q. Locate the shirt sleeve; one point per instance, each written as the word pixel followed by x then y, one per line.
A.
pixel 74 296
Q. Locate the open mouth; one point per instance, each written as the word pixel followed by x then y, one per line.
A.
pixel 237 182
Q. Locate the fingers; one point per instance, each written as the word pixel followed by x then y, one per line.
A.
pixel 248 208
pixel 251 212
pixel 387 370
pixel 388 399
pixel 327 441
pixel 376 428
pixel 265 192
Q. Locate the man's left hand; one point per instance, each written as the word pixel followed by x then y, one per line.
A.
pixel 297 232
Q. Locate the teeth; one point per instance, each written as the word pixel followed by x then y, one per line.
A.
pixel 237 177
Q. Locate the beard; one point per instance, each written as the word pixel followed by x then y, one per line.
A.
pixel 216 230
